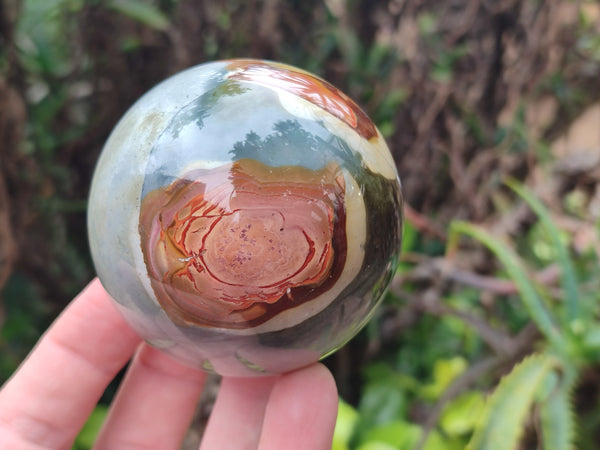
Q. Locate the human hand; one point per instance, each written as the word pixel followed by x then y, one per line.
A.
pixel 47 401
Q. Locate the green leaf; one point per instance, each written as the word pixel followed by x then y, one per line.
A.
pixel 403 435
pixel 435 441
pixel 398 434
pixel 445 372
pixel 557 419
pixel 377 446
pixel 502 422
pixel 381 403
pixel 87 436
pixel 427 23
pixel 143 12
pixel 409 237
pixel 462 414
pixel 517 273
pixel 568 277
pixel 591 339
pixel 344 426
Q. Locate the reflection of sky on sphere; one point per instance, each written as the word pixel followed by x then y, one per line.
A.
pixel 214 129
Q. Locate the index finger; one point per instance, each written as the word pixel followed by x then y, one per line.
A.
pixel 50 397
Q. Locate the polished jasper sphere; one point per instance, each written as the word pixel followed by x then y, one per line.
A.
pixel 246 217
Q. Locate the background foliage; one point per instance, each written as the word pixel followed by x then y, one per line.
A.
pixel 469 93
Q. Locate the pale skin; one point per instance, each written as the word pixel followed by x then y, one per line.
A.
pixel 47 401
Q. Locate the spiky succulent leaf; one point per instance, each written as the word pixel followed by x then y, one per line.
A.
pixel 557 419
pixel 502 423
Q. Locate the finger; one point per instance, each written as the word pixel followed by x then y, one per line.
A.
pixel 301 412
pixel 237 415
pixel 154 405
pixel 49 398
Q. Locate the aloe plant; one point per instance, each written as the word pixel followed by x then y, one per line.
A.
pixel 546 379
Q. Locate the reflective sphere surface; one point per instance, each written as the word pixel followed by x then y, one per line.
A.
pixel 246 217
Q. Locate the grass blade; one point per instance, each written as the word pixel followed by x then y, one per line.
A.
pixel 141 11
pixel 568 277
pixel 517 273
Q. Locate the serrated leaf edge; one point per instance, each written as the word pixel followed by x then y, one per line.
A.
pixel 499 428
